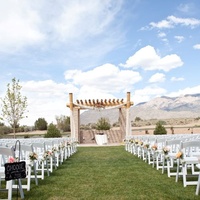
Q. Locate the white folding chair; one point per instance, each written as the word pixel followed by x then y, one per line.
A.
pixel 158 154
pixel 25 151
pixel 7 153
pixel 41 163
pixel 49 144
pixel 198 183
pixel 170 158
pixel 191 151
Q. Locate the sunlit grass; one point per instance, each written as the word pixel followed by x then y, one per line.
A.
pixel 108 173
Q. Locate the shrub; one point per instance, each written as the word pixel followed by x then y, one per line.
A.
pixel 41 124
pixel 137 119
pixel 52 132
pixel 162 122
pixel 63 123
pixel 160 129
pixel 103 124
pixel 116 124
pixel 5 130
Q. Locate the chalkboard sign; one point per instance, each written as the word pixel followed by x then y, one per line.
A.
pixel 15 170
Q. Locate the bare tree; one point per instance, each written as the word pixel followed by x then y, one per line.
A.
pixel 63 123
pixel 13 105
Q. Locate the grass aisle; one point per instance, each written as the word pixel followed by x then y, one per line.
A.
pixel 108 173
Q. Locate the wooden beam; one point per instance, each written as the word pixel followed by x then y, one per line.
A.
pixel 90 102
pixel 71 101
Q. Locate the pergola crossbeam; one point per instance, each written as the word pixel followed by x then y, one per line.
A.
pixel 99 103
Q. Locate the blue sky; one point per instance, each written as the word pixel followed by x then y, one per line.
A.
pixel 98 49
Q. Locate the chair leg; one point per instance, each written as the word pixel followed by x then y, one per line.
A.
pixel 163 165
pixel 178 168
pixel 168 168
pixel 42 170
pixel 20 189
pixel 9 187
pixel 29 178
pixel 35 173
pixel 184 169
pixel 198 185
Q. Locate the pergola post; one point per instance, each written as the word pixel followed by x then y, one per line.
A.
pixel 128 122
pixel 72 124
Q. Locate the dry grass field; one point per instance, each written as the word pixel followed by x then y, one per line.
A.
pixel 180 126
pixel 30 133
pixel 177 130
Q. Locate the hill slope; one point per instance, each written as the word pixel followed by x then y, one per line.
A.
pixel 187 106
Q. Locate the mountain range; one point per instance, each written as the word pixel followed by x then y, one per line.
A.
pixel 184 106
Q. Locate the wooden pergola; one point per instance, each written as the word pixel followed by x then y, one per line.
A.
pixel 99 104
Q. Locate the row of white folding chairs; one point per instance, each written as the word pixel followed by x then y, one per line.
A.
pixel 153 153
pixel 29 146
pixel 22 154
pixel 137 144
pixel 62 148
pixel 60 145
pixel 189 145
pixel 27 186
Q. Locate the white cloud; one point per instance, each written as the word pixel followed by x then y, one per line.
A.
pixel 188 90
pixel 188 8
pixel 19 25
pixel 161 24
pixel 161 34
pixel 80 19
pixel 184 8
pixel 192 22
pixel 147 93
pixel 158 77
pixel 91 92
pixel 172 21
pixel 102 80
pixel 179 38
pixel 196 46
pixel 165 40
pixel 148 59
pixel 72 23
pixel 46 99
pixel 177 79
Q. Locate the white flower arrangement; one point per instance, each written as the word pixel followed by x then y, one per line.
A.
pixel 54 150
pixel 47 154
pixel 61 146
pixel 33 156
pixel 154 147
pixel 140 143
pixel 179 155
pixel 166 150
pixel 146 146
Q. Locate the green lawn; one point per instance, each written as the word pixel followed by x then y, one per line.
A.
pixel 108 173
